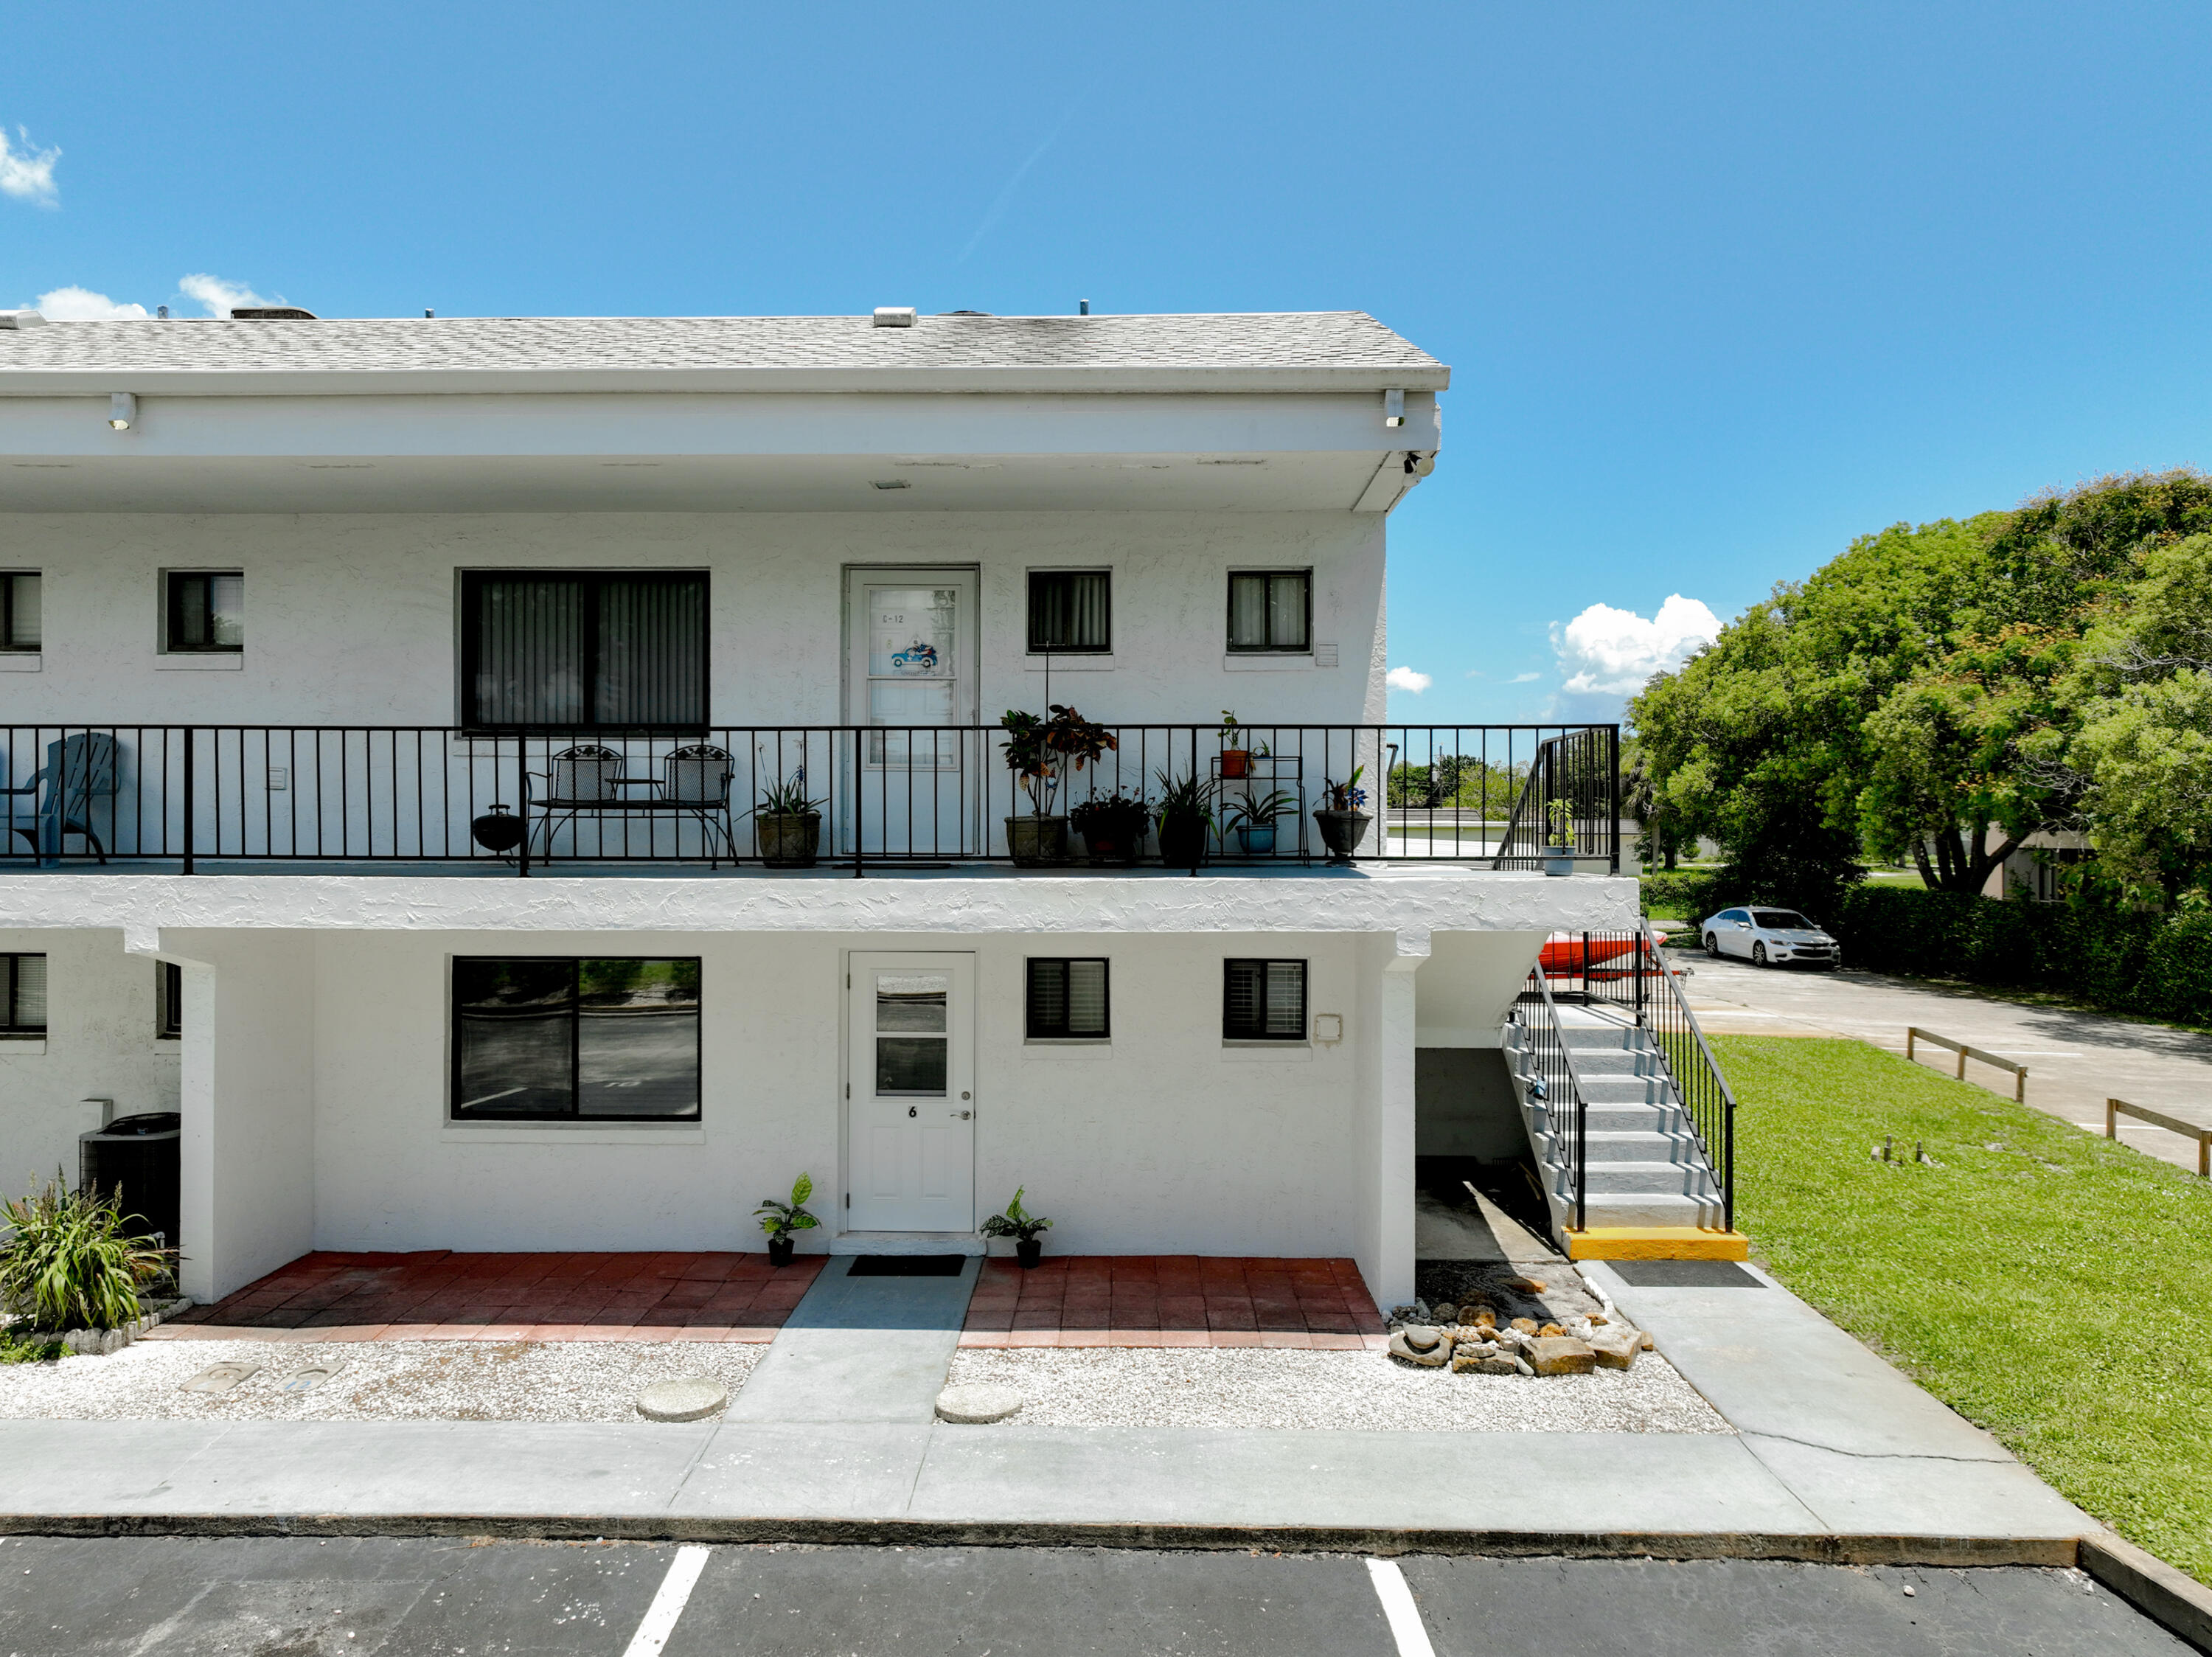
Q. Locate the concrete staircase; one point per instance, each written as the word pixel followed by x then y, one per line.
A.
pixel 1643 1164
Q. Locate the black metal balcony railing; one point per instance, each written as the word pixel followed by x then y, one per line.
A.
pixel 190 796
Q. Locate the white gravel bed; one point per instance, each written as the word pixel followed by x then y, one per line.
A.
pixel 394 1380
pixel 1259 1386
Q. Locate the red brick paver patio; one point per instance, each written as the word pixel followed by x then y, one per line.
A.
pixel 1173 1299
pixel 438 1296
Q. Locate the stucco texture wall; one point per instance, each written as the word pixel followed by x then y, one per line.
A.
pixel 353 619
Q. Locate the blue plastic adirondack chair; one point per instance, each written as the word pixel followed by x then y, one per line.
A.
pixel 79 769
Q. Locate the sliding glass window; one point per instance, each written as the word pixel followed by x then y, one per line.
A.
pixel 1071 611
pixel 597 649
pixel 553 1038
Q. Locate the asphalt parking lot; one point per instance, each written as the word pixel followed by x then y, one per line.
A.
pixel 440 1597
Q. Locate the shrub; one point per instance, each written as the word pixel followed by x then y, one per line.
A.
pixel 69 1264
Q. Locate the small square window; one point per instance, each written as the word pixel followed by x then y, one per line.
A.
pixel 20 628
pixel 22 996
pixel 1070 611
pixel 168 1002
pixel 206 610
pixel 1066 998
pixel 1264 1001
pixel 1271 610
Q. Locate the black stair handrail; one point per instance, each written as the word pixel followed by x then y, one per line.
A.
pixel 1556 1060
pixel 1688 1060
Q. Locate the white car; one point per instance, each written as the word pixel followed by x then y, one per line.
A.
pixel 1769 937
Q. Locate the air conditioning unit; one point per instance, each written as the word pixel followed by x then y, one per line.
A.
pixel 138 1157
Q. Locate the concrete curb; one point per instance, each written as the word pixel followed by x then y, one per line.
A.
pixel 2169 1597
pixel 1809 1547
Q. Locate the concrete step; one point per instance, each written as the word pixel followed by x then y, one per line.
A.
pixel 1616 1089
pixel 1609 1209
pixel 1680 1178
pixel 1614 1115
pixel 1642 1145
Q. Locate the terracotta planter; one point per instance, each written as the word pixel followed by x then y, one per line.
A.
pixel 780 1249
pixel 1236 762
pixel 1038 841
pixel 1182 841
pixel 787 839
pixel 1341 832
pixel 1028 1251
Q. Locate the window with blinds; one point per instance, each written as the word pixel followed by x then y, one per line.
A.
pixel 205 610
pixel 1264 1001
pixel 22 996
pixel 20 623
pixel 1067 999
pixel 1070 611
pixel 601 649
pixel 1271 610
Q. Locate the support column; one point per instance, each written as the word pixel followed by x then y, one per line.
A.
pixel 248 1100
pixel 1387 1115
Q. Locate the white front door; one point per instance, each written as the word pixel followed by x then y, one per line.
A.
pixel 910 1127
pixel 911 654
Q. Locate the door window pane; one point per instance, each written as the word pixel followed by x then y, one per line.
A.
pixel 1071 610
pixel 911 1064
pixel 1066 998
pixel 637 1038
pixel 916 1002
pixel 1271 610
pixel 20 622
pixel 1264 1001
pixel 206 611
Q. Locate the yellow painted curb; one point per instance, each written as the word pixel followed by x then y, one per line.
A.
pixel 1657 1243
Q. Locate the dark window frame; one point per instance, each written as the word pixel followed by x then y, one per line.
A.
pixel 1038 646
pixel 1230 1032
pixel 10 972
pixel 168 1002
pixel 8 622
pixel 173 590
pixel 1031 1032
pixel 591 580
pixel 1267 610
pixel 454 1113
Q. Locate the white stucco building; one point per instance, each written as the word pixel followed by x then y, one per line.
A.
pixel 288 605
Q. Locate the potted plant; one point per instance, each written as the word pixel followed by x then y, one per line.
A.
pixel 1186 816
pixel 1023 1228
pixel 1112 826
pixel 1253 821
pixel 786 825
pixel 71 1262
pixel 1039 752
pixel 1343 825
pixel 1235 757
pixel 779 1219
pixel 1559 846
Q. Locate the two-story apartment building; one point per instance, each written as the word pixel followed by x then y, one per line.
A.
pixel 388 709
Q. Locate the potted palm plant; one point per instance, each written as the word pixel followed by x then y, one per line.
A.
pixel 781 1220
pixel 1112 826
pixel 1252 819
pixel 1039 753
pixel 1342 823
pixel 1185 812
pixel 786 825
pixel 1023 1227
pixel 1559 846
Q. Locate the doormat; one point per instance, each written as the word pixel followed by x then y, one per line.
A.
pixel 1683 1274
pixel 906 1265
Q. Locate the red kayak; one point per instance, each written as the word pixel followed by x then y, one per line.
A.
pixel 1570 954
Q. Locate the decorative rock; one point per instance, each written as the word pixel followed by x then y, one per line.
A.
pixel 1558 1354
pixel 97 1343
pixel 1434 1358
pixel 1551 1331
pixel 1520 1366
pixel 1405 1314
pixel 221 1377
pixel 1501 1366
pixel 1422 1337
pixel 1526 1325
pixel 689 1397
pixel 1526 1285
pixel 977 1403
pixel 1647 1343
pixel 1616 1349
pixel 1598 1319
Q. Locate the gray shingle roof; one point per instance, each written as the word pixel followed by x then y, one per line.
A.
pixel 1277 350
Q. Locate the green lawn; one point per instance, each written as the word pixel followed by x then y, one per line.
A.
pixel 2051 1285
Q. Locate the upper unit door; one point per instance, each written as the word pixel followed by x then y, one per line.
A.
pixel 910 1129
pixel 916 787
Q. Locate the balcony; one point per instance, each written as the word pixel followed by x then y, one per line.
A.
pixel 204 799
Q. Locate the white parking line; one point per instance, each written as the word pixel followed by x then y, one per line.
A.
pixel 1398 1609
pixel 668 1605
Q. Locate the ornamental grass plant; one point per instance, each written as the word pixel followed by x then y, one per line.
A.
pixel 71 1262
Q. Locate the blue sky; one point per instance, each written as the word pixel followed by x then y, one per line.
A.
pixel 1722 285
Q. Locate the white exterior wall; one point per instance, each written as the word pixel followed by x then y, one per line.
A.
pixel 356 618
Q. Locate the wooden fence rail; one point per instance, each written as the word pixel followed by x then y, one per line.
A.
pixel 2116 1108
pixel 1914 1034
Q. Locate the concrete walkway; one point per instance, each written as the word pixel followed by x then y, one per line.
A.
pixel 861 1350
pixel 2075 1059
pixel 1839 1457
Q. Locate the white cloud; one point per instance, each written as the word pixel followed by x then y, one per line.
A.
pixel 83 305
pixel 1407 678
pixel 27 174
pixel 1524 679
pixel 219 296
pixel 1609 652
